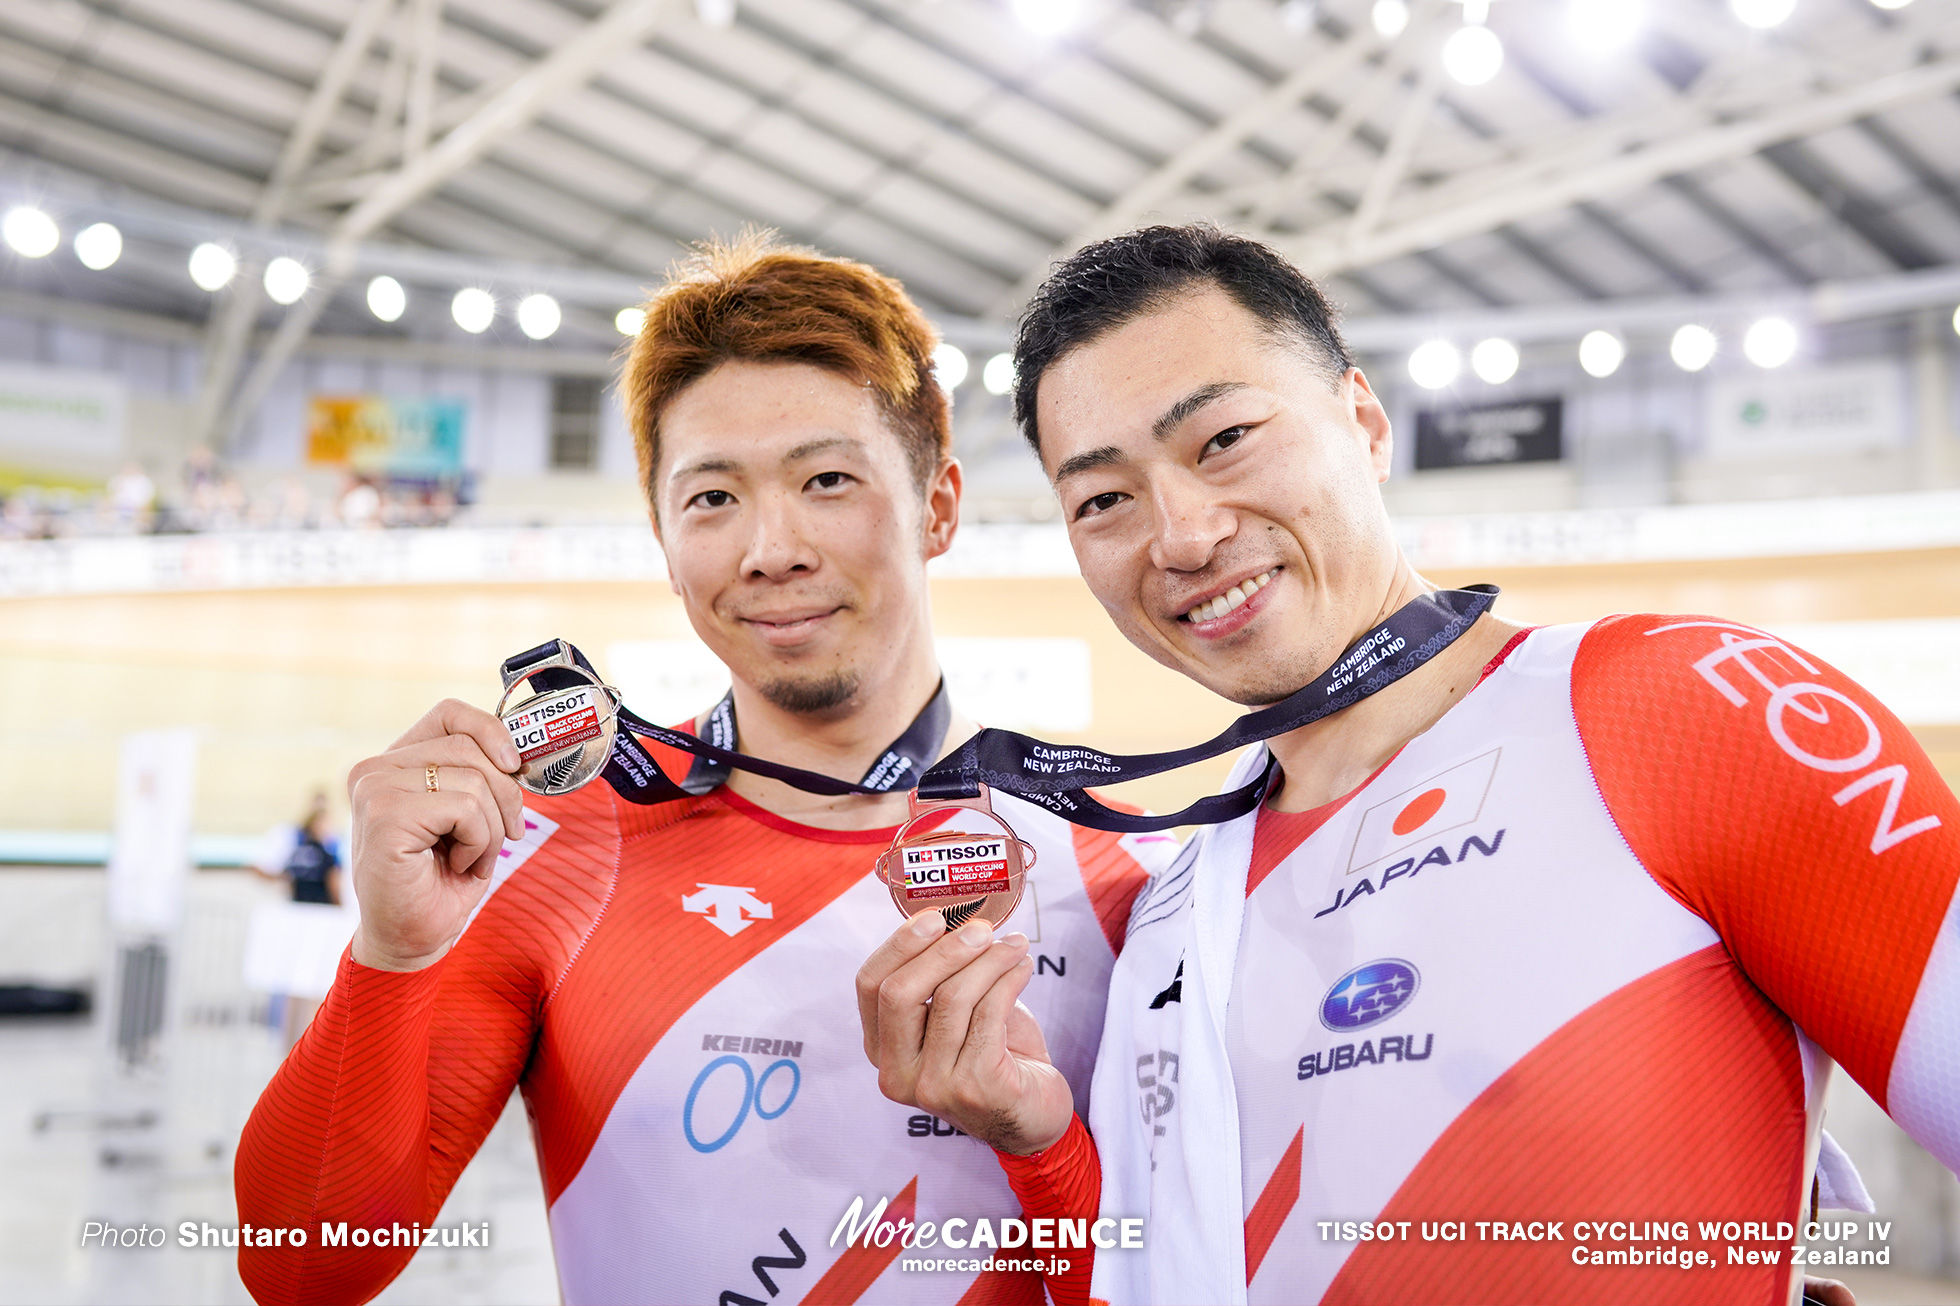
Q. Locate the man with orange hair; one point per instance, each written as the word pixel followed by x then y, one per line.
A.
pixel 670 986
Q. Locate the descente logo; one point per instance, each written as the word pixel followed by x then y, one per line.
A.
pixel 874 1230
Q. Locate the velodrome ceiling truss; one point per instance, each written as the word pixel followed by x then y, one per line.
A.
pixel 941 140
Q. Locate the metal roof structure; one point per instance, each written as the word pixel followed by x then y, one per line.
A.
pixel 578 146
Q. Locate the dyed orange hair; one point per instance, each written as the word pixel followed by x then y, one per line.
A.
pixel 759 300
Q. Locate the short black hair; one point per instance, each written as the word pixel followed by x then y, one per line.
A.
pixel 1103 286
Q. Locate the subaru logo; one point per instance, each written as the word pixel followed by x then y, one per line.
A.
pixel 1369 993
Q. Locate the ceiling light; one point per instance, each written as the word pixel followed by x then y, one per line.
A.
pixel 1603 26
pixel 998 375
pixel 212 267
pixel 715 13
pixel 286 279
pixel 473 309
pixel 1434 364
pixel 1772 342
pixel 538 316
pixel 29 232
pixel 1495 361
pixel 1692 348
pixel 1473 55
pixel 628 321
pixel 949 366
pixel 1601 353
pixel 1763 14
pixel 386 299
pixel 1390 18
pixel 1048 17
pixel 98 246
pixel 1956 321
pixel 1891 4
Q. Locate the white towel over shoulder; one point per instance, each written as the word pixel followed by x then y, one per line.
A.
pixel 1163 1108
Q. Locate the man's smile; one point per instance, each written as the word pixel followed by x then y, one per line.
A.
pixel 1228 608
pixel 785 626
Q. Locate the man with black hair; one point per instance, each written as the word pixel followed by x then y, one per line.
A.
pixel 1525 981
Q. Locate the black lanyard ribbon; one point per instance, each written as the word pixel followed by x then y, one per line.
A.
pixel 1058 777
pixel 1055 776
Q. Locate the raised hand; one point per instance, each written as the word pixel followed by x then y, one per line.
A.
pixel 425 840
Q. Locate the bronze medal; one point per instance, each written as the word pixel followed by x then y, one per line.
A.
pixel 968 864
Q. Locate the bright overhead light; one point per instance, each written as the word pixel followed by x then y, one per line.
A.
pixel 1891 4
pixel 1495 361
pixel 998 375
pixel 1434 364
pixel 1603 26
pixel 1763 14
pixel 538 316
pixel 949 366
pixel 1048 17
pixel 1771 342
pixel 1473 55
pixel 1692 348
pixel 1390 17
pixel 286 279
pixel 628 321
pixel 29 232
pixel 386 299
pixel 1601 353
pixel 1956 321
pixel 98 246
pixel 473 309
pixel 212 266
pixel 715 13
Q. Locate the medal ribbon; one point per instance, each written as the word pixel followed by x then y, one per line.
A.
pixel 1058 778
pixel 1054 776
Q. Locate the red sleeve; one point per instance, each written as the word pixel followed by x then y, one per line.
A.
pixel 379 1107
pixel 1783 804
pixel 1062 1183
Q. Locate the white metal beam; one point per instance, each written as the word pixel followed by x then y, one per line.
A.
pixel 1266 203
pixel 231 326
pixel 1828 301
pixel 426 26
pixel 1509 195
pixel 1394 162
pixel 1739 84
pixel 304 138
pixel 571 64
pixel 1225 136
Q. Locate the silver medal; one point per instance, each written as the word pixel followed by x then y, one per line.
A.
pixel 563 733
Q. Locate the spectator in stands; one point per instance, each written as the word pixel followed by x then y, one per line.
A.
pixel 360 504
pixel 130 499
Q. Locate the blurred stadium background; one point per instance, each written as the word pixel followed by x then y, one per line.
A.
pixel 310 309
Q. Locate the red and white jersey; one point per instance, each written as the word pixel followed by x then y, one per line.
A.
pixel 672 989
pixel 1581 953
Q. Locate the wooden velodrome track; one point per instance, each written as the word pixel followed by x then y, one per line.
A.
pixel 289 687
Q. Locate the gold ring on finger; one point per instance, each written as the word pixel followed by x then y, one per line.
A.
pixel 435 786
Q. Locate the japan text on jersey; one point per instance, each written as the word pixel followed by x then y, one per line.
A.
pixel 1588 947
